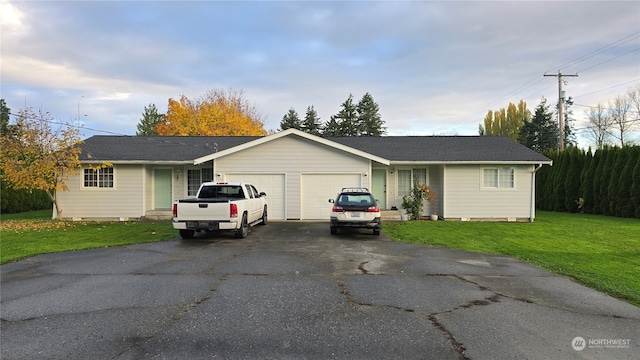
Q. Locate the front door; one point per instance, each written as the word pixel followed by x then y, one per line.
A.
pixel 379 187
pixel 162 189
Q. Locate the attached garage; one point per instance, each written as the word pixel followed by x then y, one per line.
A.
pixel 273 185
pixel 299 172
pixel 317 189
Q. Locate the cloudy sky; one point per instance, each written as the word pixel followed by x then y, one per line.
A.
pixel 433 67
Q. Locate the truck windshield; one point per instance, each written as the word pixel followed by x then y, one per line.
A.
pixel 217 191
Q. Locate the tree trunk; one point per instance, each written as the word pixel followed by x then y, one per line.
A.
pixel 52 196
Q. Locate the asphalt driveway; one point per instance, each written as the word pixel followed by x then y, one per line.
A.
pixel 292 291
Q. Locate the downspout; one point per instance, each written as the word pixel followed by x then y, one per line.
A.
pixel 532 211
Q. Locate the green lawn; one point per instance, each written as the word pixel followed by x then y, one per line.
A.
pixel 599 252
pixel 31 233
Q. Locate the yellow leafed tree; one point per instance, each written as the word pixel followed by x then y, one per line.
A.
pixel 216 113
pixel 34 156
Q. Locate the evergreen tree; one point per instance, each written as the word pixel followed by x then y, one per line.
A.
pixel 291 120
pixel 369 118
pixel 598 163
pixel 634 193
pixel 541 133
pixel 311 123
pixel 559 179
pixel 586 182
pixel 605 179
pixel 150 119
pixel 4 117
pixel 572 180
pixel 624 206
pixel 345 122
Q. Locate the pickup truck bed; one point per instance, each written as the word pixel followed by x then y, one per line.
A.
pixel 220 206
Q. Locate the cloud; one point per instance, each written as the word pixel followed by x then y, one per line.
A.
pixel 433 67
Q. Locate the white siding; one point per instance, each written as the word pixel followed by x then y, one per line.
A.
pixel 125 199
pixel 292 156
pixel 465 198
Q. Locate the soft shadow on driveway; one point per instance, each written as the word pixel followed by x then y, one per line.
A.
pixel 291 290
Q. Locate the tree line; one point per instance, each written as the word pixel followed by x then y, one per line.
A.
pixel 228 113
pixel 610 124
pixel 606 182
pixel 361 119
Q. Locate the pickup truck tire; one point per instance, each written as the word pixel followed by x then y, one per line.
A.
pixel 187 234
pixel 264 216
pixel 242 232
pixel 334 230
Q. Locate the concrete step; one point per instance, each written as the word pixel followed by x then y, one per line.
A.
pixel 158 215
pixel 390 215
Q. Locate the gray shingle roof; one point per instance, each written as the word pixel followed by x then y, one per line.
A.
pixel 394 148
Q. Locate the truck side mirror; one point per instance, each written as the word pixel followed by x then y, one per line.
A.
pixel 331 201
pixel 263 194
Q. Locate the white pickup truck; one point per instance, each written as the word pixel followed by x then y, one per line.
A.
pixel 221 206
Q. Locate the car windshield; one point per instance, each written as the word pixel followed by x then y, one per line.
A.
pixel 355 200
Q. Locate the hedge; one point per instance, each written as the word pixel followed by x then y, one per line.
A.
pixel 606 182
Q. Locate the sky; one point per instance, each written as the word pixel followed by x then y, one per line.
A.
pixel 433 67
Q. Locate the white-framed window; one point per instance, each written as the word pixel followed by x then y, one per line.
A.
pixel 195 177
pixel 98 178
pixel 499 178
pixel 406 177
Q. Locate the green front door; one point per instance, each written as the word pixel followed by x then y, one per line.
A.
pixel 379 187
pixel 162 189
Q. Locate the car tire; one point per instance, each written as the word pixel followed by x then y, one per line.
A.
pixel 334 231
pixel 264 216
pixel 242 232
pixel 187 234
pixel 376 232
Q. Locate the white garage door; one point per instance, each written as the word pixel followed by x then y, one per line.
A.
pixel 272 185
pixel 317 189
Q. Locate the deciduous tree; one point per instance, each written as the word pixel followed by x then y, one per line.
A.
pixel 216 113
pixel 37 156
pixel 600 125
pixel 506 122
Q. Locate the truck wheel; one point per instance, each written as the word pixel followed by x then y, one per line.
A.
pixel 334 231
pixel 187 234
pixel 241 233
pixel 376 232
pixel 264 216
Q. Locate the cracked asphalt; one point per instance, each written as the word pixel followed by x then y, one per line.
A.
pixel 292 291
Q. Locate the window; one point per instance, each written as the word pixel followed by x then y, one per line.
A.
pixel 98 178
pixel 195 177
pixel 501 178
pixel 406 177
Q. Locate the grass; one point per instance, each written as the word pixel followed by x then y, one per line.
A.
pixel 600 252
pixel 31 233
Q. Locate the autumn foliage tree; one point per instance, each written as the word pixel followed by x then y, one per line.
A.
pixel 35 156
pixel 216 113
pixel 506 122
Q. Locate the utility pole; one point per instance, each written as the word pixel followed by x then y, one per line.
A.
pixel 560 107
